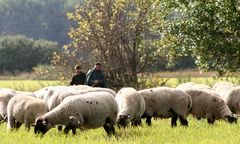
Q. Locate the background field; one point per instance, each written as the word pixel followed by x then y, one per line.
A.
pixel 159 132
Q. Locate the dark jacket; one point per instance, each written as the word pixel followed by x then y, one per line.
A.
pixel 78 79
pixel 93 75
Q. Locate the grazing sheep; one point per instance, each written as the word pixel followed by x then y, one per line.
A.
pixel 57 97
pixel 44 92
pixel 206 104
pixel 24 109
pixel 7 91
pixel 25 93
pixel 233 100
pixel 89 110
pixel 166 102
pixel 5 96
pixel 4 99
pixel 222 89
pixel 194 85
pixel 80 87
pixel 131 107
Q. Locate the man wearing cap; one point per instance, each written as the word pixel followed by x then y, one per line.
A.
pixel 79 78
pixel 95 77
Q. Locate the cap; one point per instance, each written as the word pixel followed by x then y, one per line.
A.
pixel 77 67
pixel 97 63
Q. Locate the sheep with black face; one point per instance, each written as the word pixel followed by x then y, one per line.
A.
pixel 87 111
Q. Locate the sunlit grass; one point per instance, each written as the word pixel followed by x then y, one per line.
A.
pixel 28 85
pixel 198 132
pixel 159 132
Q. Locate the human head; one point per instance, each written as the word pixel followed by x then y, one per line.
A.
pixel 77 68
pixel 98 66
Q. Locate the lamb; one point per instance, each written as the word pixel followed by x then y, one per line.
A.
pixel 89 110
pixel 131 107
pixel 57 97
pixel 206 104
pixel 24 109
pixel 223 88
pixel 166 102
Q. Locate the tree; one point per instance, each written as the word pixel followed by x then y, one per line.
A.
pixel 123 34
pixel 18 53
pixel 38 19
pixel 209 31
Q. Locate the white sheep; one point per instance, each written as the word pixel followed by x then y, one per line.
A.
pixel 194 85
pixel 89 110
pixel 24 109
pixel 164 102
pixel 80 87
pixel 131 107
pixel 4 99
pixel 7 91
pixel 58 96
pixel 223 88
pixel 206 104
pixel 233 100
pixel 25 93
pixel 43 93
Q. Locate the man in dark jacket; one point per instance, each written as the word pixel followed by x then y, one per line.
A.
pixel 95 77
pixel 79 78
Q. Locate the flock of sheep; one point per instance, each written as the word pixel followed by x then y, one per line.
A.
pixel 84 107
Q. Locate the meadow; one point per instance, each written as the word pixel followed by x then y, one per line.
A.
pixel 160 131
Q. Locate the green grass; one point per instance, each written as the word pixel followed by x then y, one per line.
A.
pixel 28 85
pixel 160 132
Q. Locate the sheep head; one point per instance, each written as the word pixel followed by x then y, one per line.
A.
pixel 231 118
pixel 42 125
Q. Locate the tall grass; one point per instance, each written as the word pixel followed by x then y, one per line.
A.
pixel 159 132
pixel 28 85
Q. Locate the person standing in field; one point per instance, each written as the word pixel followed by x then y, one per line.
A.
pixel 79 78
pixel 95 77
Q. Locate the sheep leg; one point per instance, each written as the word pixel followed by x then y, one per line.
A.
pixel 18 125
pixel 110 130
pixel 108 127
pixel 211 120
pixel 74 131
pixel 183 121
pixel 70 127
pixel 148 120
pixel 11 122
pixel 59 128
pixel 174 118
pixel 27 125
pixel 137 122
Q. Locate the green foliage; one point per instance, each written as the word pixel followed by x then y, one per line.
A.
pixel 209 31
pixel 18 53
pixel 38 19
pixel 123 34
